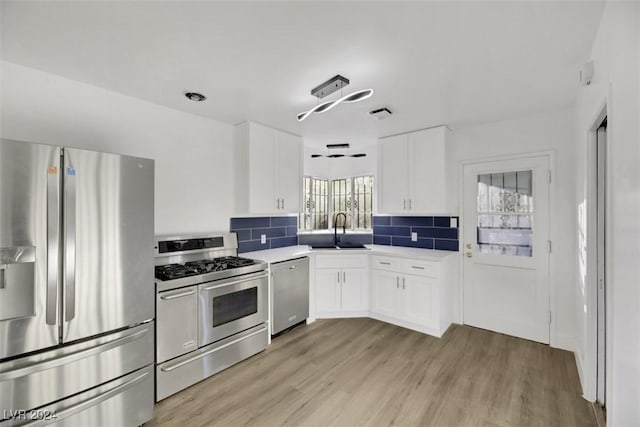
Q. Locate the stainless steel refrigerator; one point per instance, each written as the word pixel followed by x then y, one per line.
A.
pixel 76 286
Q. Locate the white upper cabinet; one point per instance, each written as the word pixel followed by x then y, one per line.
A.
pixel 268 170
pixel 411 172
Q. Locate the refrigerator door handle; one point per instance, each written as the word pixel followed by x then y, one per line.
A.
pixel 53 243
pixel 70 245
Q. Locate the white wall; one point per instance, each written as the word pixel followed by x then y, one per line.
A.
pixel 193 154
pixel 550 131
pixel 616 83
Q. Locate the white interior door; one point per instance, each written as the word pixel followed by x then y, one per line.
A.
pixel 506 250
pixel 601 147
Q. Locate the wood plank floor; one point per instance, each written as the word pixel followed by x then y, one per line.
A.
pixel 354 372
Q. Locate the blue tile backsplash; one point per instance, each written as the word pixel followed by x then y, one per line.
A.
pixel 280 231
pixel 433 232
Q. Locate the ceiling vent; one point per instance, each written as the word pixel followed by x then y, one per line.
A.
pixel 381 113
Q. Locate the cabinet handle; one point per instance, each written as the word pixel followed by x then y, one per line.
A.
pixel 404 204
pixel 403 283
pixel 385 263
pixel 397 282
pixel 409 204
pixel 417 267
pixel 344 277
pixel 338 277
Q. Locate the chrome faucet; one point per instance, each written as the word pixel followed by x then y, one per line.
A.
pixel 335 226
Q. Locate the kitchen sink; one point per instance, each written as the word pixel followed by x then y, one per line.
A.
pixel 348 245
pixel 340 246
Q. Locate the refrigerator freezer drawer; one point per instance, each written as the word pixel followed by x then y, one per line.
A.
pixel 125 401
pixel 34 381
pixel 184 371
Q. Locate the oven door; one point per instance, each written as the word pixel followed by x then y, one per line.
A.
pixel 232 305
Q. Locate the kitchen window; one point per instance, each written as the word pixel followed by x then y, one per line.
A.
pixel 352 195
pixel 315 193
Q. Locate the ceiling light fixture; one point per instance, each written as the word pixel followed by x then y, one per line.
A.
pixel 195 96
pixel 337 156
pixel 327 88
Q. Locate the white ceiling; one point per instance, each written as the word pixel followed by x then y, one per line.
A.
pixel 457 63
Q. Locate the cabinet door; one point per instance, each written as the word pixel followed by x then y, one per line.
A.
pixel 384 292
pixel 355 295
pixel 327 291
pixel 426 154
pixel 289 172
pixel 419 300
pixel 393 176
pixel 262 169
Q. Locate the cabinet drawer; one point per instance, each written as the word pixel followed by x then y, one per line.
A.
pixel 386 263
pixel 420 267
pixel 341 261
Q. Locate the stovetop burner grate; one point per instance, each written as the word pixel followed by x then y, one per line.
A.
pixel 193 268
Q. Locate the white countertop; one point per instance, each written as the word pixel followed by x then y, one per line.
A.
pixel 289 252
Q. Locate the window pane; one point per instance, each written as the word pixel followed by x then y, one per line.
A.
pixel 505 213
pixel 315 213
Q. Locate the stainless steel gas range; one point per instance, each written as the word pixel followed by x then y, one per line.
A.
pixel 211 308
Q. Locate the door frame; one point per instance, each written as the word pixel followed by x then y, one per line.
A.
pixel 589 371
pixel 550 154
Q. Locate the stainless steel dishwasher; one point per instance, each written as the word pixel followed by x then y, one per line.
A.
pixel 290 297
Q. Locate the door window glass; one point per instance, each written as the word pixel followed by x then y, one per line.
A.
pixel 505 213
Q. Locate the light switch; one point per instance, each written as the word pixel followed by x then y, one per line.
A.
pixel 454 222
pixel 414 237
pixel 263 239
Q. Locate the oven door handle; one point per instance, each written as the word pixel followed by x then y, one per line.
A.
pixel 178 295
pixel 212 287
pixel 213 350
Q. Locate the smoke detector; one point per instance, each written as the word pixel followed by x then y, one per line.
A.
pixel 380 113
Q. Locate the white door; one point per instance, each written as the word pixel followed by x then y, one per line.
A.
pixel 289 172
pixel 426 165
pixel 262 173
pixel 354 295
pixel 392 189
pixel 506 247
pixel 601 180
pixel 385 287
pixel 327 291
pixel 419 297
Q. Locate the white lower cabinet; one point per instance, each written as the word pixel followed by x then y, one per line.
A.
pixel 328 292
pixel 342 286
pixel 385 292
pixel 413 293
pixel 418 301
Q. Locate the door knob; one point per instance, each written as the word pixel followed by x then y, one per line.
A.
pixel 468 245
pixel 469 254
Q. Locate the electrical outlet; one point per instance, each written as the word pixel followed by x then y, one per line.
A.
pixel 263 239
pixel 454 222
pixel 414 237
